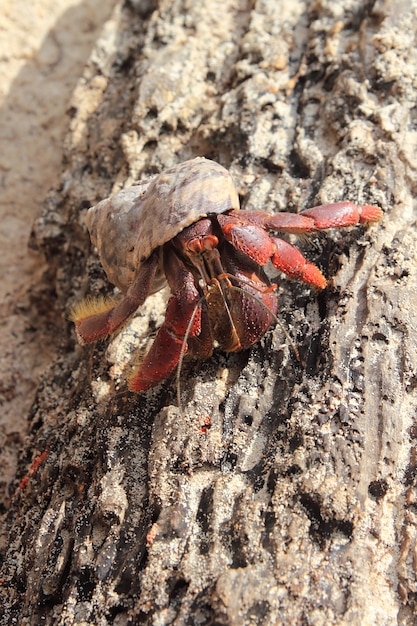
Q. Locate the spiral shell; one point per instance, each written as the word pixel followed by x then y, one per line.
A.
pixel 127 227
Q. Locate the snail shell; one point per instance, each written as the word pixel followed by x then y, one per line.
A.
pixel 128 226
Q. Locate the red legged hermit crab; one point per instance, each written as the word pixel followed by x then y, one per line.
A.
pixel 184 226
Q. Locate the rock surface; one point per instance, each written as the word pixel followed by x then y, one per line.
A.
pixel 43 48
pixel 281 492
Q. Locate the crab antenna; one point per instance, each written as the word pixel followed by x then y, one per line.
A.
pixel 190 323
pixel 229 314
pixel 187 333
pixel 220 273
pixel 182 353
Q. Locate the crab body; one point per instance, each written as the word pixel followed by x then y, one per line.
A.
pixel 184 226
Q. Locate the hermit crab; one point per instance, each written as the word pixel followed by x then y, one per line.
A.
pixel 184 226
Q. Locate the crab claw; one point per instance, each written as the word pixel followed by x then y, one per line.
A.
pixel 288 259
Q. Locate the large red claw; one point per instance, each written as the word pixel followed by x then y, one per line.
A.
pixel 289 260
pixel 248 238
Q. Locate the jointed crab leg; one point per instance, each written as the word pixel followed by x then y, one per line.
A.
pixel 95 319
pixel 165 351
pixel 322 217
pixel 339 214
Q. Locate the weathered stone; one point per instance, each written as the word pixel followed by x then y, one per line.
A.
pixel 267 512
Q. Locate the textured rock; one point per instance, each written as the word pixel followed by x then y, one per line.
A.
pixel 283 492
pixel 43 48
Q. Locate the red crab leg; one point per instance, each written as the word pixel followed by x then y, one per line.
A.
pixel 249 238
pixel 95 319
pixel 335 215
pixel 342 214
pixel 165 351
pixel 289 259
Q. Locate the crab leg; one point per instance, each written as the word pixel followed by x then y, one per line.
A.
pixel 255 243
pixel 334 215
pixel 183 315
pixel 95 319
pixel 289 259
pixel 245 231
pixel 342 214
